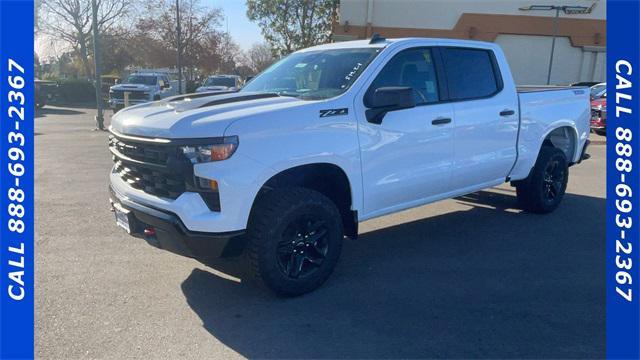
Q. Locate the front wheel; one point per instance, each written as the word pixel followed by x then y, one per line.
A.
pixel 544 189
pixel 295 240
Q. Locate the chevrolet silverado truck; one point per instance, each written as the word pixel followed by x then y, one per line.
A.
pixel 140 88
pixel 283 170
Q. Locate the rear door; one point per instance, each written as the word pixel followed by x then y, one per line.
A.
pixel 408 157
pixel 486 117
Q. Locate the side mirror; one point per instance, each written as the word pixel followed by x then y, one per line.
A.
pixel 385 99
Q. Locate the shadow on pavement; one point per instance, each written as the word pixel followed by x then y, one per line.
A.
pixel 56 111
pixel 489 281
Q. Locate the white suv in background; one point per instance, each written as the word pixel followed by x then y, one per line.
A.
pixel 216 83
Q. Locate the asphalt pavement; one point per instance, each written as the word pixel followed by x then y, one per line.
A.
pixel 470 277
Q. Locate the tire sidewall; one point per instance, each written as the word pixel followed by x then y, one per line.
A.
pixel 316 206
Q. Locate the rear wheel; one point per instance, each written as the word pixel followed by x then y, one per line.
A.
pixel 295 240
pixel 544 189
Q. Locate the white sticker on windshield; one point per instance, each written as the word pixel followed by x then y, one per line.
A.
pixel 353 72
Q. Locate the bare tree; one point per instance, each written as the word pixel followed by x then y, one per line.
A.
pixel 70 21
pixel 259 57
pixel 155 36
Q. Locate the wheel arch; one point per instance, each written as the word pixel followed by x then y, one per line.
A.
pixel 327 178
pixel 563 137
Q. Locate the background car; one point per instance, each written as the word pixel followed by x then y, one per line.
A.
pixel 598 90
pixel 221 83
pixel 599 114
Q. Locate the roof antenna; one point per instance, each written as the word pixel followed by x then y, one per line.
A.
pixel 376 38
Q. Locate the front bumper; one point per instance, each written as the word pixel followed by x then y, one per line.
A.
pixel 169 233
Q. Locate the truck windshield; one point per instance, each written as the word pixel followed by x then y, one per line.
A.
pixel 220 81
pixel 142 79
pixel 313 75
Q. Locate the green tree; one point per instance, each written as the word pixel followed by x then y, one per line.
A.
pixel 289 25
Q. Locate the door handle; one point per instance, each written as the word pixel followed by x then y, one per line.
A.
pixel 440 121
pixel 507 112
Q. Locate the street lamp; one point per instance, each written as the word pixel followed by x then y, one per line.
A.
pixel 96 60
pixel 567 9
pixel 179 47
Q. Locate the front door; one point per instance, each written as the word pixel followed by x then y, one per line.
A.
pixel 408 158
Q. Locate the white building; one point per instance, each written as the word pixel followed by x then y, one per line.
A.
pixel 525 36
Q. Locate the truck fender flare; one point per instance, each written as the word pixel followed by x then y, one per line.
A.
pixel 273 171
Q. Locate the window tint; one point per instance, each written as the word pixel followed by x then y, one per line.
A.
pixel 470 73
pixel 413 68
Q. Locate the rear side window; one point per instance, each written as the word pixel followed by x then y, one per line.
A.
pixel 470 73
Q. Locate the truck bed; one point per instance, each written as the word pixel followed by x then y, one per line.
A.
pixel 536 88
pixel 543 108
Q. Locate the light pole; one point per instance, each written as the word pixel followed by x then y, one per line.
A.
pixel 96 60
pixel 179 47
pixel 567 10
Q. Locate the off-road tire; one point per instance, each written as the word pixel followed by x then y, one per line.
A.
pixel 274 221
pixel 535 192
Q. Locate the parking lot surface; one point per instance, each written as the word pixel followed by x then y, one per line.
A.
pixel 467 277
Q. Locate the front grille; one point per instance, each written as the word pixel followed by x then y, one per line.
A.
pixel 133 95
pixel 153 182
pixel 156 169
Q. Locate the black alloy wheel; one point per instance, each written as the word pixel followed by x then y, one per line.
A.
pixel 542 191
pixel 303 248
pixel 553 179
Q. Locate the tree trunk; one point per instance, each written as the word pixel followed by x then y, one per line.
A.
pixel 84 56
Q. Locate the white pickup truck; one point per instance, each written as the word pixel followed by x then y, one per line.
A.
pixel 140 88
pixel 333 135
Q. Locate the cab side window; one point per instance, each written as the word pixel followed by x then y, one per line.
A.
pixel 471 73
pixel 412 68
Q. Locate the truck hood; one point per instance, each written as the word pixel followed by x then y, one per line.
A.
pixel 131 87
pixel 198 117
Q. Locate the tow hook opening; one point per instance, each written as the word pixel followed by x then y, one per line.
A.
pixel 150 232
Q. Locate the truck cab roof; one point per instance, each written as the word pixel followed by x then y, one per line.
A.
pixel 382 43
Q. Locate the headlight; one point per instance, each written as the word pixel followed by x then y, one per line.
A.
pixel 215 152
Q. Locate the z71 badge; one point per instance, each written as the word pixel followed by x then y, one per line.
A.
pixel 334 112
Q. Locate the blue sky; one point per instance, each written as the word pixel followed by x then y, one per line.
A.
pixel 243 31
